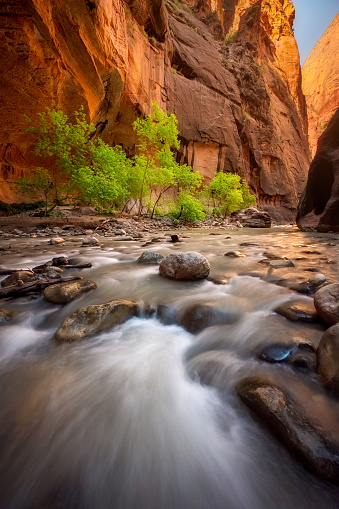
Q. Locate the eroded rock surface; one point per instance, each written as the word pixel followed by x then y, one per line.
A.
pixel 326 302
pixel 239 105
pixel 320 74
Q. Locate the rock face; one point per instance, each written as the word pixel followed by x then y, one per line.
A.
pixel 239 103
pixel 319 203
pixel 320 77
pixel 187 266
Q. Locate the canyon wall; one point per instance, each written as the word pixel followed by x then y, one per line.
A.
pixel 320 74
pixel 319 204
pixel 228 70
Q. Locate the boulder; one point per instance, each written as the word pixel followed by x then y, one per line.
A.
pixel 254 218
pixel 326 302
pixel 63 293
pixel 188 266
pixel 328 359
pixel 317 449
pixel 88 321
pixel 150 257
pixel 200 316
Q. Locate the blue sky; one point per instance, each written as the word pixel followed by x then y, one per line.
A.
pixel 312 18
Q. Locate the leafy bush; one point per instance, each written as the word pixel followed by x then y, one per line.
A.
pixel 229 194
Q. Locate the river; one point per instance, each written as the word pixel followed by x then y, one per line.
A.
pixel 127 419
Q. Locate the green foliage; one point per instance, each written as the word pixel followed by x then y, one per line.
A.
pixel 247 116
pixel 155 166
pixel 188 208
pixel 229 194
pixel 17 208
pixel 85 169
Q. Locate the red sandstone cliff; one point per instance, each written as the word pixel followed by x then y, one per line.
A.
pixel 239 104
pixel 320 74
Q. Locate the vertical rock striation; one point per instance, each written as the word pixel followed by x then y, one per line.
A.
pixel 228 70
pixel 320 74
pixel 319 204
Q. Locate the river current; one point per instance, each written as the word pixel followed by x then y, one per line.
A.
pixel 126 420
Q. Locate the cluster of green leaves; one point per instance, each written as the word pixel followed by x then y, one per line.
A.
pixel 84 169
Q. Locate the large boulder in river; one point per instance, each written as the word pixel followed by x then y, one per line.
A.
pixel 188 266
pixel 23 275
pixel 254 218
pixel 328 359
pixel 316 448
pixel 62 293
pixel 88 321
pixel 326 302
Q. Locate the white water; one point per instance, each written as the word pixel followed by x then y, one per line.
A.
pixel 116 422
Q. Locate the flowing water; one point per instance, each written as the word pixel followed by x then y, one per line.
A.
pixel 125 420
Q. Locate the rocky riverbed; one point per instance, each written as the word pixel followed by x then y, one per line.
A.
pixel 260 309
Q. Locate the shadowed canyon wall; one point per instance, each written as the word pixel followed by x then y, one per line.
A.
pixel 320 74
pixel 228 70
pixel 319 204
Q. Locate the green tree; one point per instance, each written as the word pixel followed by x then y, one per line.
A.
pixel 86 169
pixel 155 164
pixel 229 194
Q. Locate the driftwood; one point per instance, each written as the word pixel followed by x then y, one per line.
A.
pixel 33 286
pixel 40 269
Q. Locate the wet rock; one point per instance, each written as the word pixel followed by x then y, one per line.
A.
pixel 5 316
pixel 298 311
pixel 90 241
pixel 218 280
pixel 200 316
pixel 326 302
pixel 184 266
pixel 305 438
pixel 63 293
pixel 279 264
pixel 234 254
pixel 254 218
pixel 119 231
pixel 124 238
pixel 304 360
pixel 56 240
pixel 305 287
pixel 328 359
pixel 150 257
pixel 317 279
pixel 248 244
pixel 175 238
pixel 22 275
pixel 88 321
pixel 281 352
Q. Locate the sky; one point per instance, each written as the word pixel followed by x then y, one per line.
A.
pixel 312 18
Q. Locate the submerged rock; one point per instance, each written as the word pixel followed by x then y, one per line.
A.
pixel 5 316
pixel 88 321
pixel 328 359
pixel 187 266
pixel 200 316
pixel 326 302
pixel 22 275
pixel 316 448
pixel 62 293
pixel 295 311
